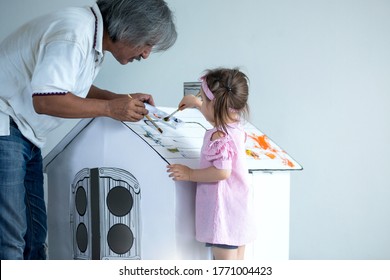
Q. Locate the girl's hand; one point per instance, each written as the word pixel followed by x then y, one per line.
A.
pixel 179 172
pixel 190 101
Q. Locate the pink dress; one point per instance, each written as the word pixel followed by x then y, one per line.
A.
pixel 222 212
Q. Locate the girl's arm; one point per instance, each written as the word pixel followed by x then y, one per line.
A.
pixel 180 172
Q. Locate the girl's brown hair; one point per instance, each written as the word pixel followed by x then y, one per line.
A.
pixel 230 88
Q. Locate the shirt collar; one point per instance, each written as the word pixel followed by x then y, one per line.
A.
pixel 98 36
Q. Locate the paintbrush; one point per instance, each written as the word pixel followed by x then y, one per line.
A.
pixel 174 112
pixel 177 110
pixel 154 123
pixel 151 120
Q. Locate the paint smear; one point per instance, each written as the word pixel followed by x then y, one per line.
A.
pixel 252 154
pixel 262 142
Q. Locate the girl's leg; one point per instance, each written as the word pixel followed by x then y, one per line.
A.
pixel 224 254
pixel 228 254
pixel 241 252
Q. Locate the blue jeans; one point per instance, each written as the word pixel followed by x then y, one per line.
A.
pixel 23 227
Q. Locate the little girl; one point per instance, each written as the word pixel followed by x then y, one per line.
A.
pixel 222 216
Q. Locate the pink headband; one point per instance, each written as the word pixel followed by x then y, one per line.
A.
pixel 206 89
pixel 208 92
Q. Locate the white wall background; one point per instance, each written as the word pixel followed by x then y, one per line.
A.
pixel 320 88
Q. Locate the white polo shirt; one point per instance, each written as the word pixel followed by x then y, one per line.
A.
pixel 53 54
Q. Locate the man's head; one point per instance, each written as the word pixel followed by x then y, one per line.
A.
pixel 139 23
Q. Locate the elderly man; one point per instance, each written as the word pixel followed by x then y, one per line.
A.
pixel 47 71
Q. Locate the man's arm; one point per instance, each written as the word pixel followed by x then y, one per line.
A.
pixel 119 107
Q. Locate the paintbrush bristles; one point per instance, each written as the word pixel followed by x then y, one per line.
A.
pixel 168 117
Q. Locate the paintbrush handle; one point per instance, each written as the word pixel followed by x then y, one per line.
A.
pixel 174 112
pixel 154 123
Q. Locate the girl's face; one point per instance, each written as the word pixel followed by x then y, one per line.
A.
pixel 207 108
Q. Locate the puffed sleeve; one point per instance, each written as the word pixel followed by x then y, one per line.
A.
pixel 220 152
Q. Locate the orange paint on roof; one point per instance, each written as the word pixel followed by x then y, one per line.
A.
pixel 270 155
pixel 262 141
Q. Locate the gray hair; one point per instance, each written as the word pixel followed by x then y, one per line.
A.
pixel 139 22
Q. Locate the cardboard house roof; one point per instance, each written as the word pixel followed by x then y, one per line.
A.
pixel 182 139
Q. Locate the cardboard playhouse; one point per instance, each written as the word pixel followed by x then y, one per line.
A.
pixel 110 197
